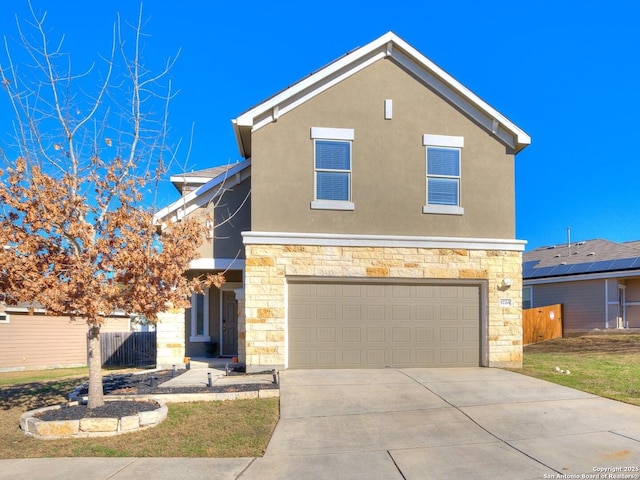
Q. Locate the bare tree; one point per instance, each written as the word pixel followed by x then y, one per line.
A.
pixel 76 230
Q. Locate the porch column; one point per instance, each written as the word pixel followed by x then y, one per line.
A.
pixel 242 346
pixel 170 339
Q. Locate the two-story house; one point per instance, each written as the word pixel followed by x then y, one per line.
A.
pixel 374 223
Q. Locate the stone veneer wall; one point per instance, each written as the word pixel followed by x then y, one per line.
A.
pixel 265 289
pixel 170 339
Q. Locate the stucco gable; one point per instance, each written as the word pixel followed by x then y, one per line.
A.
pixel 388 46
pixel 199 197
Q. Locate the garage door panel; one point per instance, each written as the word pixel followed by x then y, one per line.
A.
pixel 402 291
pixel 352 334
pixel 401 357
pixel 351 358
pixel 425 357
pixel 300 335
pixel 351 312
pixel 375 358
pixel 470 335
pixel 449 357
pixel 326 334
pixel 326 290
pixel 448 335
pixel 375 312
pixel 402 335
pixel 401 312
pixel 448 314
pixel 302 358
pixel 326 358
pixel 374 335
pixel 425 312
pixel 351 291
pixel 374 291
pixel 374 326
pixel 424 335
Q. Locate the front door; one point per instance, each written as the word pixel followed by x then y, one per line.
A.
pixel 229 324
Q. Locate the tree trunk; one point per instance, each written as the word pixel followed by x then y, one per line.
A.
pixel 96 396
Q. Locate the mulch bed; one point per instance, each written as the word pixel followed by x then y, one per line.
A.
pixel 138 384
pixel 149 384
pixel 115 409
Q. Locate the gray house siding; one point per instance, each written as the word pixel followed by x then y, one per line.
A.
pixel 584 304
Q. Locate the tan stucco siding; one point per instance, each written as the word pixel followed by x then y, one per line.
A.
pixel 269 267
pixel 388 163
pixel 29 342
pixel 583 303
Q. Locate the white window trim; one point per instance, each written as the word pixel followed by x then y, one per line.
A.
pixel 447 141
pixel 332 205
pixel 205 314
pixel 443 209
pixel 325 133
pixel 4 317
pixel 336 134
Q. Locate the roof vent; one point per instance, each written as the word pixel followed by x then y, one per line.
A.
pixel 591 254
pixel 563 263
pixel 580 243
pixel 557 256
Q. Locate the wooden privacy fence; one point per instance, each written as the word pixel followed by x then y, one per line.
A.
pixel 128 349
pixel 541 323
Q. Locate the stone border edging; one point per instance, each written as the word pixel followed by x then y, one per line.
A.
pixel 207 397
pixel 91 427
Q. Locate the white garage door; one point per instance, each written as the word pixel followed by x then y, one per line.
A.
pixel 361 325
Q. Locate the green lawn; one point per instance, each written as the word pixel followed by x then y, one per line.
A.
pixel 605 365
pixel 238 428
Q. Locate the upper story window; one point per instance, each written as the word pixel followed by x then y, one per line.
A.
pixel 332 168
pixel 443 166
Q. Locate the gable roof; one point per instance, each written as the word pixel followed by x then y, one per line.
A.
pixel 188 203
pixel 580 258
pixel 389 46
pixel 192 180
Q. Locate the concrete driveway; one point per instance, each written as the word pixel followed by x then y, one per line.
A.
pixel 462 423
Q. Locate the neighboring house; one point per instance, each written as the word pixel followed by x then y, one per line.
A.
pixel 31 340
pixel 380 226
pixel 596 281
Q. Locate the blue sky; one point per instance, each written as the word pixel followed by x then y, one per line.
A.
pixel 565 72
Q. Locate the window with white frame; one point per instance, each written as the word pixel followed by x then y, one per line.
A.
pixel 443 167
pixel 332 168
pixel 200 318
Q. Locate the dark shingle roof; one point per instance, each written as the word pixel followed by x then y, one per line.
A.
pixel 576 258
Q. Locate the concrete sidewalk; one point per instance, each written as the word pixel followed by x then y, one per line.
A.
pixel 219 370
pixel 468 423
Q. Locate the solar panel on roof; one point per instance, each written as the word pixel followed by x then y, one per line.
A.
pixel 580 267
pixel 601 266
pixel 622 263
